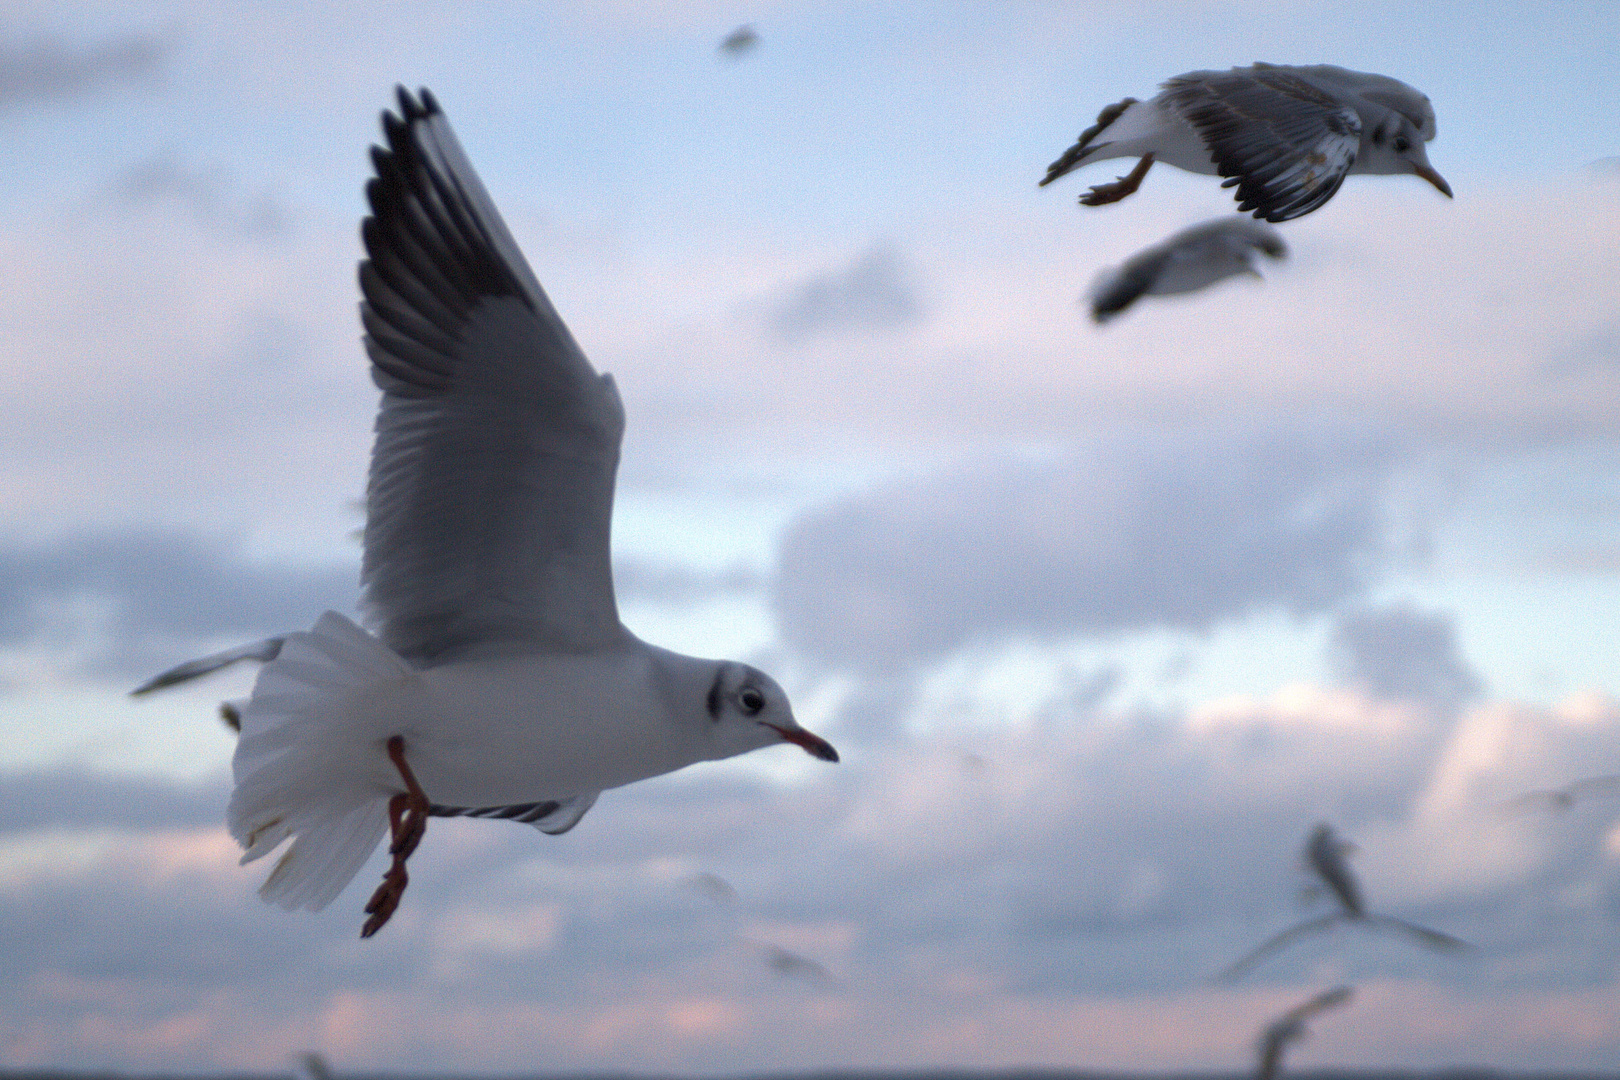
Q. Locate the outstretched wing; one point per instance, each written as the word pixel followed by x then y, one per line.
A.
pixel 1285 143
pixel 492 476
pixel 1271 945
pixel 1432 939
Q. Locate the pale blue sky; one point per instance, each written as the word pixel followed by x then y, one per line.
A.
pixel 1068 599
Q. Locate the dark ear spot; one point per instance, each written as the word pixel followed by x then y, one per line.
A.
pixel 713 701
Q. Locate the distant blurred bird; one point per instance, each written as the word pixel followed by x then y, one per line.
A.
pixel 740 41
pixel 1290 1028
pixel 790 965
pixel 310 1066
pixel 1192 259
pixel 1285 136
pixel 1325 854
pixel 1559 800
pixel 713 886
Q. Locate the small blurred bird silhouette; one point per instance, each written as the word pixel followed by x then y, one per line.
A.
pixel 740 41
pixel 1325 854
pixel 1290 1028
pixel 1192 259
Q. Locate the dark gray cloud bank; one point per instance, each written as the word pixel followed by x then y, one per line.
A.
pixel 1182 533
pixel 137 601
pixel 1403 653
pixel 133 603
pixel 46 69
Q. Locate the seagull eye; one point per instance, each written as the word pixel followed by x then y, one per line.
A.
pixel 1401 144
pixel 751 700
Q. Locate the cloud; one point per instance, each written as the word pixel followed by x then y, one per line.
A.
pixel 1399 652
pixel 1087 866
pixel 875 292
pixel 1182 533
pixel 46 70
pixel 68 797
pixel 123 602
pixel 209 195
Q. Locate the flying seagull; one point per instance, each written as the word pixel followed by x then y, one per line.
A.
pixel 497 680
pixel 1325 854
pixel 1559 800
pixel 1286 137
pixel 1290 1028
pixel 741 40
pixel 1192 259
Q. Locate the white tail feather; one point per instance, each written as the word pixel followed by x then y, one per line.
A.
pixel 310 764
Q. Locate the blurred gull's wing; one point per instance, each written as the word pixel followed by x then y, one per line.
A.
pixel 1284 142
pixel 1290 1026
pixel 1271 945
pixel 264 651
pixel 492 475
pixel 1433 939
pixel 1114 291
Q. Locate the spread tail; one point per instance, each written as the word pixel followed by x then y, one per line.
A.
pixel 307 764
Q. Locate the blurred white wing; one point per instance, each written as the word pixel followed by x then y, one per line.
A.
pixel 492 476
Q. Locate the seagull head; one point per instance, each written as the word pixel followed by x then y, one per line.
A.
pixel 748 710
pixel 1397 147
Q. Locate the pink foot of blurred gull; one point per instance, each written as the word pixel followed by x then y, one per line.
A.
pixel 500 681
pixel 1286 137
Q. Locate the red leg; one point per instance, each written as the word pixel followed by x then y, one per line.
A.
pixel 407 821
pixel 1103 194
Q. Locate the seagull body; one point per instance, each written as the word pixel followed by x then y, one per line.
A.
pixel 1325 854
pixel 499 681
pixel 1286 137
pixel 1290 1028
pixel 1192 259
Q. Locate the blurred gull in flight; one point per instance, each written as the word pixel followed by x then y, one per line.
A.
pixel 1325 854
pixel 1285 136
pixel 790 965
pixel 1290 1027
pixel 713 886
pixel 739 41
pixel 1558 800
pixel 1192 259
pixel 500 681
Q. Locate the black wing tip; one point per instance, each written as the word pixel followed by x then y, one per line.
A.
pixel 411 109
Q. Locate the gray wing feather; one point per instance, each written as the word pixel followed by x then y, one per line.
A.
pixel 554 816
pixel 264 651
pixel 1433 939
pixel 1285 143
pixel 1272 944
pixel 492 475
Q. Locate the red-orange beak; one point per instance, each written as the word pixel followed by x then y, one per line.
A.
pixel 814 745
